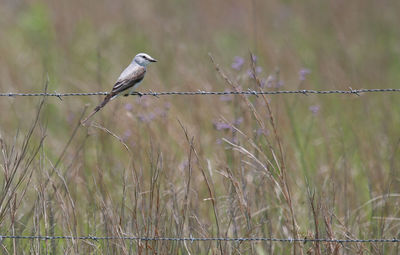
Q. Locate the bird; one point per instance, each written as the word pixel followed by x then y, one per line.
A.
pixel 128 80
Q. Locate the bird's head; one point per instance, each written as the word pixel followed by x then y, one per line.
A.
pixel 143 59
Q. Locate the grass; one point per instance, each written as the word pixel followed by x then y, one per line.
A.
pixel 283 166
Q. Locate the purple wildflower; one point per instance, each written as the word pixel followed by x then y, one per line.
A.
pixel 234 140
pixel 263 82
pixel 237 63
pixel 144 101
pixel 127 134
pixel 253 58
pixel 128 107
pixel 167 106
pixel 314 109
pixel 226 97
pixel 279 84
pixel 261 131
pixel 250 72
pixel 238 121
pixel 146 117
pixel 270 80
pixel 221 125
pixel 162 112
pixel 183 164
pixel 303 73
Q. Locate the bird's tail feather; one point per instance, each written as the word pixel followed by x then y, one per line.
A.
pixel 105 101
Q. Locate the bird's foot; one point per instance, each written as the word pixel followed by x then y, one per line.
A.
pixel 134 93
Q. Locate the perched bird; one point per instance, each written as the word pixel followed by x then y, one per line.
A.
pixel 127 81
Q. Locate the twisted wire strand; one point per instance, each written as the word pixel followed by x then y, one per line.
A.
pixel 201 92
pixel 201 239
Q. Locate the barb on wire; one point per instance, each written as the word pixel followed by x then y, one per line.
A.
pixel 201 92
pixel 203 239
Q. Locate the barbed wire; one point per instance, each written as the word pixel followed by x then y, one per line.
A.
pixel 204 239
pixel 201 92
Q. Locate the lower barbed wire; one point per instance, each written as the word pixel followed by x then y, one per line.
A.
pixel 196 239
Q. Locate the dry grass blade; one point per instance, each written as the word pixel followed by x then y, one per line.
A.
pixel 209 185
pixel 112 134
pixel 16 164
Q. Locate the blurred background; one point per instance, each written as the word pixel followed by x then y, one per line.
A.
pixel 283 166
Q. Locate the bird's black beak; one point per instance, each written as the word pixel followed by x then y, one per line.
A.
pixel 153 60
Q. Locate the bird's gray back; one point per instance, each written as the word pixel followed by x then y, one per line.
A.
pixel 132 75
pixel 131 71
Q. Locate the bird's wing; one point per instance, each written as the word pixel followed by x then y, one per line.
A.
pixel 129 77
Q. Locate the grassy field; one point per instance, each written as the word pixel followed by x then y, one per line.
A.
pixel 281 166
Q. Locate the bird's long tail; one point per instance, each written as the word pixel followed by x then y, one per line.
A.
pixel 105 101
